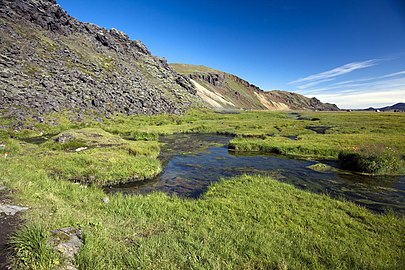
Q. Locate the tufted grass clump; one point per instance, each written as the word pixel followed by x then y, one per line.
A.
pixel 373 159
pixel 302 147
pixel 31 250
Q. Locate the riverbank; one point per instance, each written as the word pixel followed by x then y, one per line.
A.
pixel 192 162
pixel 249 222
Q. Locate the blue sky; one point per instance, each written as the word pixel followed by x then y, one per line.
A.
pixel 348 52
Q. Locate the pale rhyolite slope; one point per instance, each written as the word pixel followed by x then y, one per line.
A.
pixel 222 90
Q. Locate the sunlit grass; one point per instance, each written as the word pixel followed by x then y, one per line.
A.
pixel 249 222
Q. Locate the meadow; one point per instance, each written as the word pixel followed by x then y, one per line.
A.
pixel 248 222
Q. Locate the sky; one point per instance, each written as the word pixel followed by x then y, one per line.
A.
pixel 347 52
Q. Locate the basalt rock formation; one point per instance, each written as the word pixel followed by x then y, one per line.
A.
pixel 226 91
pixel 51 62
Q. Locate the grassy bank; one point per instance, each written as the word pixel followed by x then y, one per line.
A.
pixel 88 155
pixel 379 136
pixel 247 222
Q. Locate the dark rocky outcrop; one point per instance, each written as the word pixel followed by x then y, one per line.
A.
pixel 50 62
pixel 216 79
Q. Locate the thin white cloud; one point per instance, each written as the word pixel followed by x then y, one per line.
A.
pixel 361 100
pixel 387 90
pixel 308 85
pixel 363 86
pixel 395 74
pixel 336 72
pixel 376 91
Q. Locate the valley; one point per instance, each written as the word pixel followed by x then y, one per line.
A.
pixel 116 159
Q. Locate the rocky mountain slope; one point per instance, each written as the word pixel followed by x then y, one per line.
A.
pixel 224 91
pixel 50 62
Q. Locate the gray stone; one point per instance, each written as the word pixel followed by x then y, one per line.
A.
pixel 68 242
pixel 105 199
pixel 11 210
pixel 64 138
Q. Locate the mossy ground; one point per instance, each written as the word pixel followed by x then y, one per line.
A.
pixel 249 222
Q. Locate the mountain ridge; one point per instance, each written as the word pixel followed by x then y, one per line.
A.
pixel 223 90
pixel 397 107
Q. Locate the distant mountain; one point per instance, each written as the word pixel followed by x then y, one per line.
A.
pixel 50 62
pixel 223 90
pixel 396 107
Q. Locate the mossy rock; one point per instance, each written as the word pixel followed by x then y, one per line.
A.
pixel 320 167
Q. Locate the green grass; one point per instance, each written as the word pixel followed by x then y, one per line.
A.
pixel 107 158
pixel 320 145
pixel 259 131
pixel 101 166
pixel 189 69
pixel 241 223
pixel 373 161
pixel 32 250
pixel 282 145
pixel 250 222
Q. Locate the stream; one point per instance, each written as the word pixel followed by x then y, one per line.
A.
pixel 192 162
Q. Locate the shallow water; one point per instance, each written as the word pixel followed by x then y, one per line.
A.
pixel 193 161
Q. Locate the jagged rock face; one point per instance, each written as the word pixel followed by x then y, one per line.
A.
pixel 216 79
pixel 51 62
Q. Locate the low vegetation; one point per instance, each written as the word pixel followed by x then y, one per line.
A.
pixel 31 246
pixel 89 155
pixel 373 160
pixel 249 222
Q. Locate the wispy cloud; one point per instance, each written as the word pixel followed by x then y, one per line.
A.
pixel 310 84
pixel 395 74
pixel 362 92
pixel 377 83
pixel 386 90
pixel 361 99
pixel 331 74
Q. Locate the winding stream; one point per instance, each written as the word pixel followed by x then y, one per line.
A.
pixel 193 161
